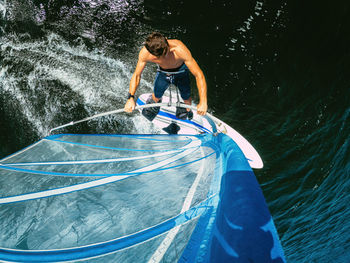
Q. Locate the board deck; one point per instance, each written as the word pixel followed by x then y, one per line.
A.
pixel 198 125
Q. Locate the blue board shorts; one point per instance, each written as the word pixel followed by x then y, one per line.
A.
pixel 180 78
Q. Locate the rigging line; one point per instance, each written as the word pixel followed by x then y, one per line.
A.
pixel 158 255
pixel 145 169
pixel 40 172
pixel 21 151
pixel 107 247
pixel 191 144
pixel 78 187
pixel 94 161
pixel 82 186
pixel 109 148
pixel 91 184
pixel 133 136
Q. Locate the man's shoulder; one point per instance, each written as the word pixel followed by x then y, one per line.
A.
pixel 144 55
pixel 180 49
pixel 175 42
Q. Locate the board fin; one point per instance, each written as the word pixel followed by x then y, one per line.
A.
pixel 173 128
pixel 150 113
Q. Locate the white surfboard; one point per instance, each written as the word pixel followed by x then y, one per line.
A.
pixel 198 125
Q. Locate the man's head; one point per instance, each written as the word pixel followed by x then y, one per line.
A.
pixel 157 44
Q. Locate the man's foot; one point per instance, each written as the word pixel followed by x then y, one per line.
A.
pixel 183 114
pixel 150 113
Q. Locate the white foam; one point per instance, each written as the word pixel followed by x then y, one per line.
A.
pixel 3 8
pixel 101 81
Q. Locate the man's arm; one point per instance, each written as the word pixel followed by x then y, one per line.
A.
pixel 192 65
pixel 184 53
pixel 135 80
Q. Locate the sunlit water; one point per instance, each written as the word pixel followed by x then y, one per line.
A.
pixel 278 73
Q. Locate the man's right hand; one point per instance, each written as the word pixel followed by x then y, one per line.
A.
pixel 129 105
pixel 202 108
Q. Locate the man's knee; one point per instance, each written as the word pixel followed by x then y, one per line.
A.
pixel 185 94
pixel 188 101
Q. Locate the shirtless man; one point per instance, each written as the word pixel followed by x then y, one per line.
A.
pixel 174 61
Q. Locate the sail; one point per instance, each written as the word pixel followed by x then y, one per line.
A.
pixel 133 198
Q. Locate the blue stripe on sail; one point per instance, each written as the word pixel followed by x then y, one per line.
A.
pixel 103 248
pixel 17 169
pixel 95 161
pixel 52 137
pixel 107 147
pixel 181 149
pixel 56 191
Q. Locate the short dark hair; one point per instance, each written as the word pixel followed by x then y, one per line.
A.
pixel 156 44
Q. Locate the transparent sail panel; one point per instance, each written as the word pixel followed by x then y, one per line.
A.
pixel 70 191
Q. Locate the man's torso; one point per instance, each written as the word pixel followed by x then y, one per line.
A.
pixel 171 60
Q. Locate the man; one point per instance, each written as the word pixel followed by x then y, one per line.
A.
pixel 174 60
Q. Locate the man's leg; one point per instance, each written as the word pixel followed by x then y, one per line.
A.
pixel 188 102
pixel 160 85
pixel 183 83
pixel 184 113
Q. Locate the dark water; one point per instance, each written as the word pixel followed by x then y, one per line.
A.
pixel 277 71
